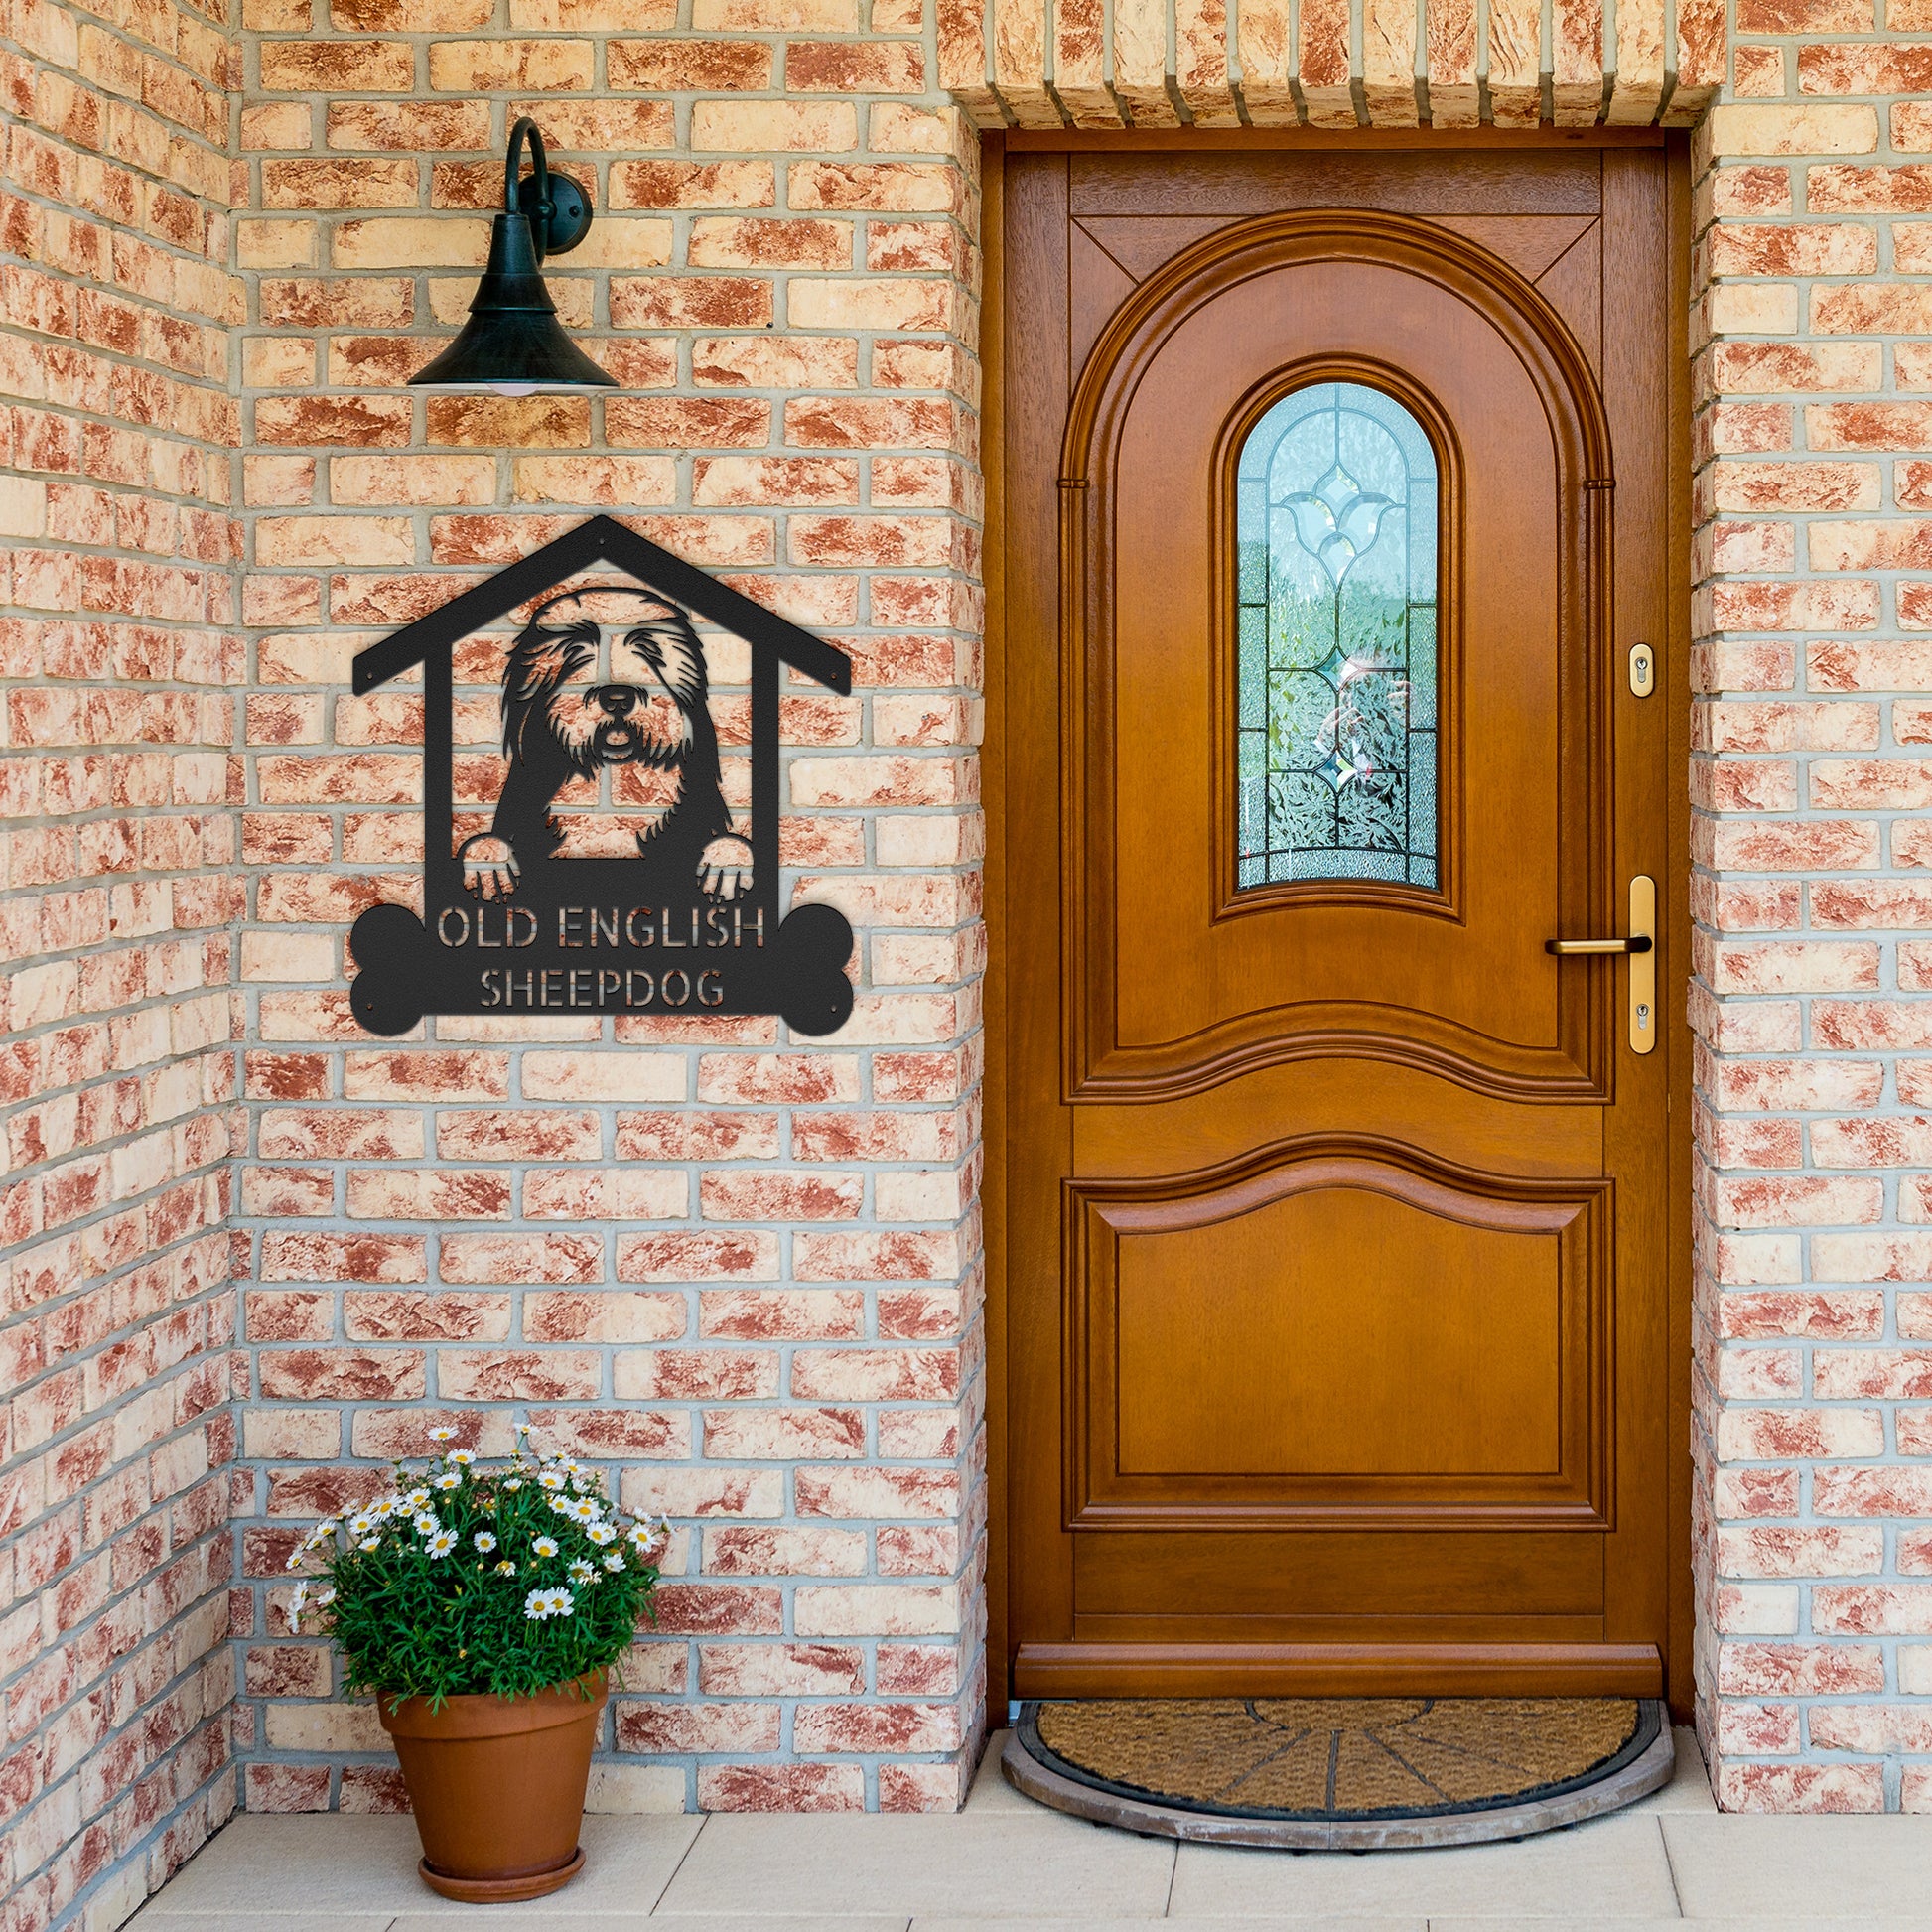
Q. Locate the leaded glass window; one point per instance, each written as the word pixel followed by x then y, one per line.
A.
pixel 1336 691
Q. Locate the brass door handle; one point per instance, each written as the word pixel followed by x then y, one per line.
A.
pixel 1642 992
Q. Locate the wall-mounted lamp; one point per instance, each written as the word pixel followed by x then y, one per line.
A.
pixel 512 342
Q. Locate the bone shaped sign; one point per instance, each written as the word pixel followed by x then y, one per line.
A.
pixel 596 864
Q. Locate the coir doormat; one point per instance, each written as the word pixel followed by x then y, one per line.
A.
pixel 1341 1772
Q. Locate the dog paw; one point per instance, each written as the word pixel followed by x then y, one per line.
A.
pixel 488 866
pixel 725 868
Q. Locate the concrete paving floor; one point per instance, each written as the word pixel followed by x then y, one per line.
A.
pixel 1671 1858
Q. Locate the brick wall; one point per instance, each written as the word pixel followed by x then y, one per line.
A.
pixel 119 679
pixel 743 1271
pixel 739 1270
pixel 1811 781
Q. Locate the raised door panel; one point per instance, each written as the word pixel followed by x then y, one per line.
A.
pixel 1277 1313
pixel 1333 1336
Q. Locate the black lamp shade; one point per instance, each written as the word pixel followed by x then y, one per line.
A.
pixel 513 342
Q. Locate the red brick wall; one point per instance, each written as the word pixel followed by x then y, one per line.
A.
pixel 119 677
pixel 1810 785
pixel 740 1271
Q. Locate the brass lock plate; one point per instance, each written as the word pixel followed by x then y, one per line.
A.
pixel 1643 965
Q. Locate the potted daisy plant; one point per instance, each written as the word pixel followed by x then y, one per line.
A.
pixel 484 1606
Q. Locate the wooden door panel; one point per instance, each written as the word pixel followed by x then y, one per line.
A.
pixel 1337 1286
pixel 1322 1575
pixel 1573 285
pixel 1339 1330
pixel 1531 244
pixel 1223 1321
pixel 1524 181
pixel 1455 976
pixel 1560 253
pixel 1257 1376
pixel 1099 282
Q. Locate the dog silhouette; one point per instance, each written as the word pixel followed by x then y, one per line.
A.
pixel 602 679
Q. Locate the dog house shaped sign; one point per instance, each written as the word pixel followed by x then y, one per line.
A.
pixel 609 876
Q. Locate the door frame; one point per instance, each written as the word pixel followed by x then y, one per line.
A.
pixel 1674 689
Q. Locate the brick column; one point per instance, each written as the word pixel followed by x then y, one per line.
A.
pixel 1809 782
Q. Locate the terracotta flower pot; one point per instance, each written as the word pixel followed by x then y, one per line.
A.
pixel 497 1786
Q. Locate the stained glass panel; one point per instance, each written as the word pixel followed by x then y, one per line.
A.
pixel 1335 590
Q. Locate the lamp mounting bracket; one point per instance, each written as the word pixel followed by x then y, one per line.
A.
pixel 569 218
pixel 558 210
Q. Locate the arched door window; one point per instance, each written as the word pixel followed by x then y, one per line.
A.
pixel 1337 528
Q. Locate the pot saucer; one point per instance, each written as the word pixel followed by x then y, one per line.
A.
pixel 501 1891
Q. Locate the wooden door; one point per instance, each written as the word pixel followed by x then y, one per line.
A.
pixel 1340 1305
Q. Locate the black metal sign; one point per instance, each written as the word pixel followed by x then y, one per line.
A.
pixel 611 875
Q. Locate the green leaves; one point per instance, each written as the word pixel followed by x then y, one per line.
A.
pixel 452 1584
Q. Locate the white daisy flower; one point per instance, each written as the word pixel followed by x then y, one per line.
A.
pixel 584 1510
pixel 582 1572
pixel 442 1435
pixel 416 1498
pixel 551 1480
pixel 371 1543
pixel 545 1546
pixel 324 1597
pixel 442 1542
pixel 642 1536
pixel 538 1605
pixel 450 1480
pixel 486 1541
pixel 387 1507
pixel 360 1523
pixel 461 1457
pixel 516 1483
pixel 506 1567
pixel 600 1533
pixel 613 1562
